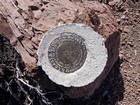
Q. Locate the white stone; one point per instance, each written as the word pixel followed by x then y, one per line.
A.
pixel 93 66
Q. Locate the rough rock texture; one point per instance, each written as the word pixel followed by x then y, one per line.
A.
pixel 128 17
pixel 95 55
pixel 28 20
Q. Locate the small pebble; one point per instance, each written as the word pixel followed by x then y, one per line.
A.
pixel 105 93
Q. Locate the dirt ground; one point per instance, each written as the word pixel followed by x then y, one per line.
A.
pixel 122 85
pixel 128 18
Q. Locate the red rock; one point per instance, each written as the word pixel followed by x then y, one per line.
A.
pixel 91 13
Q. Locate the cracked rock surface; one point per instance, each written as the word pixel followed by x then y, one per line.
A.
pixel 27 21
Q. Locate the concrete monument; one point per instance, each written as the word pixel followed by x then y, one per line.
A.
pixel 73 55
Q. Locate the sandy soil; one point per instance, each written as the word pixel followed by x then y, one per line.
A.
pixel 129 20
pixel 126 89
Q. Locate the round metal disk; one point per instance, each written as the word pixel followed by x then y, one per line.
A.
pixel 72 55
pixel 67 53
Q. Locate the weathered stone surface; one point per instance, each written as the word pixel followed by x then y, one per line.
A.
pixel 26 27
pixel 82 70
pixel 30 24
pixel 85 79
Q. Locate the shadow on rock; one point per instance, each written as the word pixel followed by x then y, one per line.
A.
pixel 109 93
pixel 112 89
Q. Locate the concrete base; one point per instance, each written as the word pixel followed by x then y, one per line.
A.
pixel 101 56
